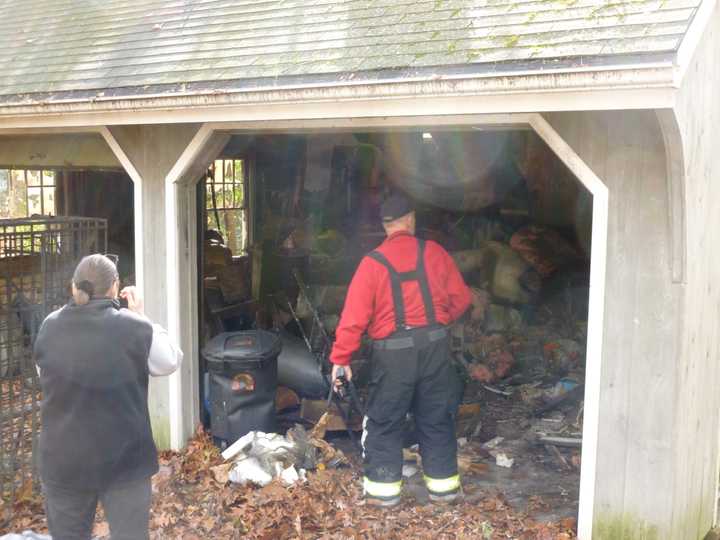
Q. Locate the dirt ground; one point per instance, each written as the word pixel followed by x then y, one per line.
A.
pixel 538 479
pixel 189 503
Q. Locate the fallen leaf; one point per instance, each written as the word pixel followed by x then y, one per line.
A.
pixel 101 529
pixel 221 472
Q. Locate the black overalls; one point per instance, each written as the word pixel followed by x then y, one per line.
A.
pixel 411 371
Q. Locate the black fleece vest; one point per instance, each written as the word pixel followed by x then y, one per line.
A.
pixel 94 376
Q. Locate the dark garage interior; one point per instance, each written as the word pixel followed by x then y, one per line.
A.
pixel 286 218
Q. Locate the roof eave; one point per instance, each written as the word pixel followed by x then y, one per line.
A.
pixel 654 76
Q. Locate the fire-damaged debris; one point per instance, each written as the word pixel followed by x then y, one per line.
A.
pixel 258 458
pixel 572 442
pixel 502 460
pixel 519 350
pixel 562 355
pixel 469 462
pixel 560 394
pixel 545 249
pixel 522 351
pixel 553 450
pixel 25 535
pixel 503 319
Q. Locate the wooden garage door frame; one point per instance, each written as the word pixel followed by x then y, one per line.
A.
pixel 182 250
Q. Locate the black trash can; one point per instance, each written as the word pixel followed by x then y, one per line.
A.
pixel 242 368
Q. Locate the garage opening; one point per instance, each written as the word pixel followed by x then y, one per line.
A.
pixel 50 217
pixel 285 218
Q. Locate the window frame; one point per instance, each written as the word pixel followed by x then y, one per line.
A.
pixel 42 188
pixel 219 188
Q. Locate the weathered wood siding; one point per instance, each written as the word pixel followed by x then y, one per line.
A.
pixel 153 150
pixel 697 392
pixel 635 466
pixel 79 150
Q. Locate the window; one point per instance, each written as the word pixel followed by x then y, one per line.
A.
pixel 26 192
pixel 227 202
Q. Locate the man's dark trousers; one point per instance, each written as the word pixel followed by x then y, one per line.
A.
pixel 418 378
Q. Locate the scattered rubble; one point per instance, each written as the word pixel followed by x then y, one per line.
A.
pixel 502 460
pixel 259 458
pixel 25 535
pixel 191 503
pixel 544 249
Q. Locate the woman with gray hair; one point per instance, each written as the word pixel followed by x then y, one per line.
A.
pixel 96 444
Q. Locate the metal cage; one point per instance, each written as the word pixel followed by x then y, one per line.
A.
pixel 37 260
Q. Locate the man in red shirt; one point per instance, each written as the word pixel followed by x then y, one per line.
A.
pixel 404 294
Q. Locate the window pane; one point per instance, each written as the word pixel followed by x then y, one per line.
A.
pixel 48 178
pixel 218 171
pixel 18 202
pixel 239 196
pixel 231 226
pixel 229 202
pixel 34 195
pixel 226 177
pixel 4 193
pixel 18 177
pixel 208 196
pixel 243 235
pixel 220 195
pixel 33 178
pixel 49 201
pixel 219 202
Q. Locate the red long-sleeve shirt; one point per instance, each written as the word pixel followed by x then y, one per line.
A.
pixel 369 303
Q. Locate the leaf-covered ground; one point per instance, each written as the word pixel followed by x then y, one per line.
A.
pixel 189 503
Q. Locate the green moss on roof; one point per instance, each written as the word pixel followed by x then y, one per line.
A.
pixel 511 41
pixel 69 45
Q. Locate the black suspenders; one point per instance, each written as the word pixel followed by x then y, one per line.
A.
pixel 397 279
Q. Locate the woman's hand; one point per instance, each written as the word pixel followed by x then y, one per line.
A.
pixel 134 300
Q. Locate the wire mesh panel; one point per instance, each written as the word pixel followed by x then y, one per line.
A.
pixel 37 259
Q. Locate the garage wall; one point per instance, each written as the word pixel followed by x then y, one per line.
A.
pixel 635 467
pixel 698 373
pixel 72 150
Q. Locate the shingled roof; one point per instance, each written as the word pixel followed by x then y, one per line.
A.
pixel 52 48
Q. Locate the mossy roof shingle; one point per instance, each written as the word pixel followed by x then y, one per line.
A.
pixel 60 46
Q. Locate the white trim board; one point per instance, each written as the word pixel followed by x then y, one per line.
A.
pixel 137 204
pixel 596 310
pixel 175 318
pixel 332 103
pixel 181 323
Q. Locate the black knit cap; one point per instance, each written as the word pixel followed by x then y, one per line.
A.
pixel 395 207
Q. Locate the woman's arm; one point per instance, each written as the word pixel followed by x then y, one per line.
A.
pixel 165 357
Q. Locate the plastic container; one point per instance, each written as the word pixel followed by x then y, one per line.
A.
pixel 242 372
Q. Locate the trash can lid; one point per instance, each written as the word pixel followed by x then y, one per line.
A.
pixel 250 345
